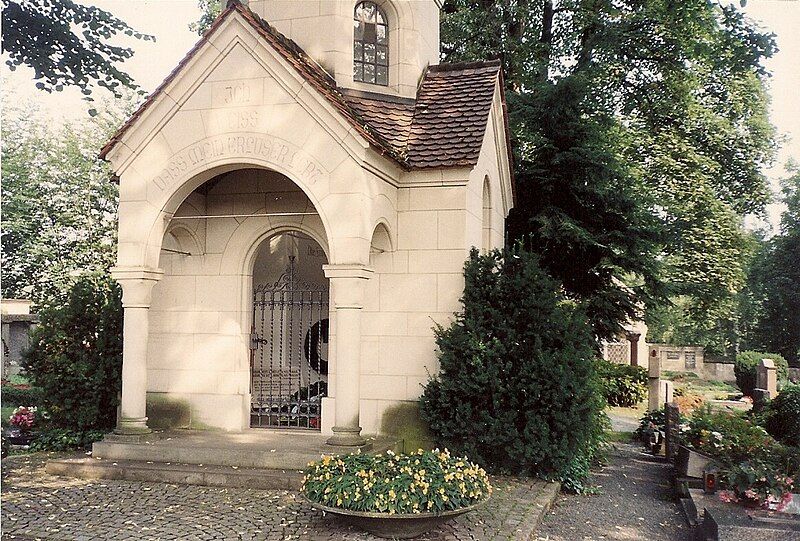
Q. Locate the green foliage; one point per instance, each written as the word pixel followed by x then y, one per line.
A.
pixel 75 356
pixel 783 416
pixel 731 438
pixel 775 281
pixel 67 43
pixel 679 130
pixel 64 439
pixel 754 466
pixel 13 395
pixel 59 204
pixel 210 10
pixel 421 482
pixel 623 385
pixel 517 389
pixel 757 482
pixel 745 369
pixel 577 206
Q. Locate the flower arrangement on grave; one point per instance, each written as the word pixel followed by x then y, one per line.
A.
pixel 755 483
pixel 396 484
pixel 24 417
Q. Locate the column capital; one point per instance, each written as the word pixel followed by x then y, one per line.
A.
pixel 348 271
pixel 137 284
pixel 348 285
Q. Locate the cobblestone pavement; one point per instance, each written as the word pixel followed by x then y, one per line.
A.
pixel 634 503
pixel 40 506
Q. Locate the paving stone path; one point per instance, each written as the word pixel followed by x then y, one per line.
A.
pixel 39 506
pixel 634 503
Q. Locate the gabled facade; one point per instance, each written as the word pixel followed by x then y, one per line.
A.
pixel 288 235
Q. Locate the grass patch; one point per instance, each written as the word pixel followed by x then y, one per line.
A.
pixel 635 412
pixel 613 436
pixel 689 383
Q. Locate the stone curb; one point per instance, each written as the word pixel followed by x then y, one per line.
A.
pixel 543 502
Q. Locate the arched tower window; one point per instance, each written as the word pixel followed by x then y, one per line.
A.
pixel 370 44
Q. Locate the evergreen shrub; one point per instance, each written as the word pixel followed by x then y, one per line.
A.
pixel 623 385
pixel 64 439
pixel 15 395
pixel 783 415
pixel 517 390
pixel 75 356
pixel 745 369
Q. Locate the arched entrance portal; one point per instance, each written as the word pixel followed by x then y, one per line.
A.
pixel 289 349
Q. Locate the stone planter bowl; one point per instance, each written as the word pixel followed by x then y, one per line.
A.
pixel 403 526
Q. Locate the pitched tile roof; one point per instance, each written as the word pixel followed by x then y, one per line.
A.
pixel 390 117
pixel 450 116
pixel 443 127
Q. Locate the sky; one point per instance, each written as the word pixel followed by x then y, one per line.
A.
pixel 168 21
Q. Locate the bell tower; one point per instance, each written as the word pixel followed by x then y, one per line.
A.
pixel 379 46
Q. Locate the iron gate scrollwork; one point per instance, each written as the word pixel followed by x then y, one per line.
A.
pixel 288 357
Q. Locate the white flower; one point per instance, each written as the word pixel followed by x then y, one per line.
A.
pixel 717 435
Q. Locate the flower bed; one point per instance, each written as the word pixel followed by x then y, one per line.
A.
pixel 421 482
pixel 755 469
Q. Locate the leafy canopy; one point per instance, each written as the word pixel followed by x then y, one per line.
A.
pixel 67 43
pixel 59 203
pixel 669 111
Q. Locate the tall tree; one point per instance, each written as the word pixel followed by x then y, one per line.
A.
pixel 674 92
pixel 67 43
pixel 778 275
pixel 59 204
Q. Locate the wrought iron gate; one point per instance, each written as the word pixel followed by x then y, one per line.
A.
pixel 288 353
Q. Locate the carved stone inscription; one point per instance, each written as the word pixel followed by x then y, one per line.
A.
pixel 240 93
pixel 270 149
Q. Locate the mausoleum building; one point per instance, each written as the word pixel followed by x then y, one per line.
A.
pixel 297 200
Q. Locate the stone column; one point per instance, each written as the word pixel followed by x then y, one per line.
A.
pixel 137 285
pixel 633 338
pixel 348 287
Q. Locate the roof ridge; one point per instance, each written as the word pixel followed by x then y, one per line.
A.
pixel 456 66
pixel 289 43
pixel 378 96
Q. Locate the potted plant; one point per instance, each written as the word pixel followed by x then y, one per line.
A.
pixel 22 421
pixel 396 495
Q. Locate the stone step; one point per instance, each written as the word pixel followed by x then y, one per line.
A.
pixel 177 473
pixel 252 449
pixel 180 453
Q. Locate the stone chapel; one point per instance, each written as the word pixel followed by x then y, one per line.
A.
pixel 297 200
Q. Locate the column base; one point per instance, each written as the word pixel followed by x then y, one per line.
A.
pixel 346 437
pixel 132 426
